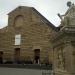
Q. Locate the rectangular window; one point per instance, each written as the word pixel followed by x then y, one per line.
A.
pixel 18 39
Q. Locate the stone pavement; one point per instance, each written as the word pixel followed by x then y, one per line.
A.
pixel 23 71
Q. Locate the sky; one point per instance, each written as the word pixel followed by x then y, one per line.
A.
pixel 48 8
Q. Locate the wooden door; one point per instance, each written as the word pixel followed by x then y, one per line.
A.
pixel 1 57
pixel 17 55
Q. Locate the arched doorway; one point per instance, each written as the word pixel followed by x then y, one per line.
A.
pixel 1 57
pixel 36 56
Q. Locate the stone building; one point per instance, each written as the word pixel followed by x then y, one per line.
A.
pixel 27 37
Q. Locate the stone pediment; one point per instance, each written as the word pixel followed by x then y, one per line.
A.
pixel 19 8
pixel 23 15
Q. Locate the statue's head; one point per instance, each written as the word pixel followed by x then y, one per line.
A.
pixel 69 3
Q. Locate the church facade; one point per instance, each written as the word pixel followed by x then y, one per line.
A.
pixel 29 36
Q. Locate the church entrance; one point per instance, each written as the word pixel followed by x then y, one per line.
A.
pixel 1 57
pixel 36 56
pixel 17 55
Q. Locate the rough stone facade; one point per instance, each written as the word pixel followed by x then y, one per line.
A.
pixel 35 31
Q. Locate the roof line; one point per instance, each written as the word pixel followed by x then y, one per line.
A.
pixel 48 22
